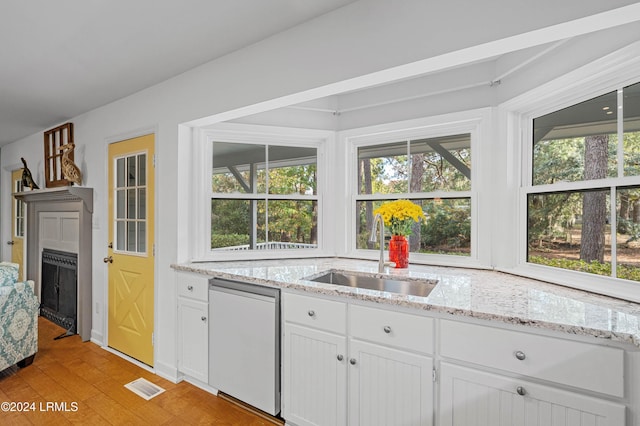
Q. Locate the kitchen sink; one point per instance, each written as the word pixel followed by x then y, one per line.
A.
pixel 406 287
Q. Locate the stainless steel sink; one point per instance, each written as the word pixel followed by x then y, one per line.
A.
pixel 406 287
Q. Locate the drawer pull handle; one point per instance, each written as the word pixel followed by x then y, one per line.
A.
pixel 311 313
pixel 352 361
pixel 204 319
pixel 387 329
pixel 520 355
pixel 340 357
pixel 521 391
pixel 190 288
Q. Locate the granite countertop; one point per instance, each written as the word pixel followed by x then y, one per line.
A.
pixel 473 293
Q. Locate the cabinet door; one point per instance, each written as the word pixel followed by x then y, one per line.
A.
pixel 193 339
pixel 474 398
pixel 314 377
pixel 389 386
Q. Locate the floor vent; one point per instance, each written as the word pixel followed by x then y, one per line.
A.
pixel 144 388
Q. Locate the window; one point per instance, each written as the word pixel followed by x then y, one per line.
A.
pixel 131 203
pixel 20 207
pixel 583 203
pixel 263 196
pixel 434 173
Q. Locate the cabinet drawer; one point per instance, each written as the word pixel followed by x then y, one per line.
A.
pixel 583 365
pixel 315 312
pixel 193 286
pixel 390 328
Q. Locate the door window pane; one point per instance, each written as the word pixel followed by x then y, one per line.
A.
pixel 131 203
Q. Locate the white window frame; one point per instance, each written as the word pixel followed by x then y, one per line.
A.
pixel 202 157
pixel 473 122
pixel 605 75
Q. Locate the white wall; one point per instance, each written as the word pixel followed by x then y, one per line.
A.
pixel 376 39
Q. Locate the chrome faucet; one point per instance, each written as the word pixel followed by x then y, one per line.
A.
pixel 372 238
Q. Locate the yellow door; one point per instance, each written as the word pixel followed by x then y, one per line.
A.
pixel 18 225
pixel 130 256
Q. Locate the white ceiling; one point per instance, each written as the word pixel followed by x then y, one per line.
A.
pixel 65 57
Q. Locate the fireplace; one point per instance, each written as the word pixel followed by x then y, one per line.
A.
pixel 60 220
pixel 59 288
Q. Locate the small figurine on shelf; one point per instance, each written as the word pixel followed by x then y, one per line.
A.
pixel 70 171
pixel 27 179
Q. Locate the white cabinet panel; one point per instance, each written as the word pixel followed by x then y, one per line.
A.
pixel 314 377
pixel 193 339
pixel 474 398
pixel 389 386
pixel 558 360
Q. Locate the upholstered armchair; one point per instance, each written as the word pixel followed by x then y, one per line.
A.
pixel 18 318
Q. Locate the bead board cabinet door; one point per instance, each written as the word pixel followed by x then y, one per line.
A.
pixel 474 398
pixel 130 257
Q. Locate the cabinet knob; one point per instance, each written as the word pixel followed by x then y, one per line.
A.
pixel 521 391
pixel 190 287
pixel 311 313
pixel 387 329
pixel 340 357
pixel 520 355
pixel 204 319
pixel 352 361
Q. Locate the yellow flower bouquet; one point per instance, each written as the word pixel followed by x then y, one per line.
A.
pixel 399 215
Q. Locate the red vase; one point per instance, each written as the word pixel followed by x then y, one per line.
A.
pixel 399 251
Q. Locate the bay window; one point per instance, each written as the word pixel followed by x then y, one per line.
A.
pixel 583 199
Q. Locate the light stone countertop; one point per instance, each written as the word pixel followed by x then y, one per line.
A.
pixel 473 293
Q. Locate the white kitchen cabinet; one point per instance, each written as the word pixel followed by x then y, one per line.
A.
pixel 389 381
pixel 470 397
pixel 193 326
pixel 389 386
pixel 314 375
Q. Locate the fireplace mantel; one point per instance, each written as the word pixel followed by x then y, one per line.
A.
pixel 43 206
pixel 66 193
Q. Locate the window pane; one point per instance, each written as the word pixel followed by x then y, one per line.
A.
pixel 441 164
pixel 131 204
pixel 564 141
pixel 383 169
pixel 120 173
pixel 238 167
pixel 131 236
pixel 142 203
pixel 631 112
pixel 142 169
pixel 230 223
pixel 131 171
pixel 142 237
pixel 447 229
pixel 121 204
pixel 628 236
pixel 570 230
pixel 293 224
pixel 292 170
pixel 121 238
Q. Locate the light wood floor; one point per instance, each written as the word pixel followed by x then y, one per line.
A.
pixel 68 370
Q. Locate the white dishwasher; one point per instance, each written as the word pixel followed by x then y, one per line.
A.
pixel 244 342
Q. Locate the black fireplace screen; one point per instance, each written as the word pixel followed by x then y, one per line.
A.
pixel 59 288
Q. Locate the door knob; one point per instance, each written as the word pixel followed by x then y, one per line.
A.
pixel 11 242
pixel 108 259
